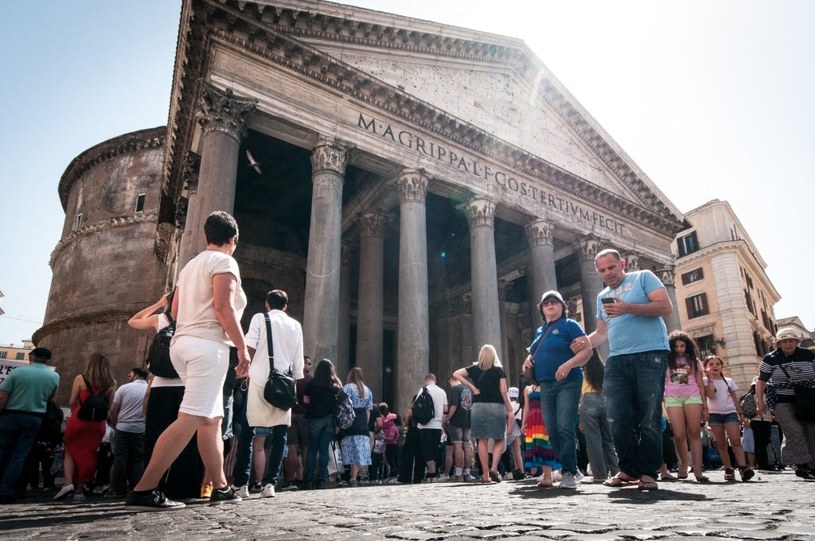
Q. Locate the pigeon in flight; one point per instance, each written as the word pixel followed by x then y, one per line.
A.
pixel 253 163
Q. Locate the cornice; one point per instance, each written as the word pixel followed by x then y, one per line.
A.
pixel 98 227
pixel 123 144
pixel 103 317
pixel 237 25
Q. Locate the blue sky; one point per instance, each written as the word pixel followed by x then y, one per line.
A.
pixel 710 99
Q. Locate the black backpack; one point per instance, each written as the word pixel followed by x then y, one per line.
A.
pixel 158 357
pixel 423 408
pixel 95 407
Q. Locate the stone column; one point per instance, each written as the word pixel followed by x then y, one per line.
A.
pixel 667 274
pixel 484 275
pixel 539 235
pixel 370 304
pixel 342 364
pixel 413 343
pixel 222 117
pixel 590 282
pixel 322 303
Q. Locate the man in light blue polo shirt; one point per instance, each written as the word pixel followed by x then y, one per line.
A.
pixel 629 314
pixel 24 396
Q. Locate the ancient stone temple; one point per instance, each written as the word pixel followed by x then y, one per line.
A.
pixel 413 187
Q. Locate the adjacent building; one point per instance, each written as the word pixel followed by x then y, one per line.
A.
pixel 725 298
pixel 414 187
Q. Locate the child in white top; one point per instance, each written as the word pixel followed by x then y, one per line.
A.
pixel 725 416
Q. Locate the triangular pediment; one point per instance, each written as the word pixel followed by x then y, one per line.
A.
pixel 492 82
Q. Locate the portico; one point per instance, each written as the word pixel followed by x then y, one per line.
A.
pixel 406 233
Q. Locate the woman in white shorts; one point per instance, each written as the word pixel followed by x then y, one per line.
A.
pixel 207 307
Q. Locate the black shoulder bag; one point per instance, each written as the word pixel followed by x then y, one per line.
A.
pixel 279 390
pixel 804 398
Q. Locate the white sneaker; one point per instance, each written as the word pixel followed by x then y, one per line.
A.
pixel 467 478
pixel 64 492
pixel 268 491
pixel 78 498
pixel 508 476
pixel 443 478
pixel 579 477
pixel 242 491
pixel 568 481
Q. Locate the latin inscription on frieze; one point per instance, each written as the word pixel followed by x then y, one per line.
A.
pixel 486 173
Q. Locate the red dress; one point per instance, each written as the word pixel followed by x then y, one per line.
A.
pixel 82 439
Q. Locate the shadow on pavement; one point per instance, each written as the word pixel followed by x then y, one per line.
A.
pixel 632 495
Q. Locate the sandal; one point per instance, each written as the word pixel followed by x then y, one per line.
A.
pixel 545 483
pixel 647 485
pixel 702 479
pixel 486 480
pixel 669 477
pixel 495 477
pixel 682 473
pixel 618 481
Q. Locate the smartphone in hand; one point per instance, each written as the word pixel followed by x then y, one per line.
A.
pixel 608 300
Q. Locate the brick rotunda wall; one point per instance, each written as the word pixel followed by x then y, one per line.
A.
pixel 104 267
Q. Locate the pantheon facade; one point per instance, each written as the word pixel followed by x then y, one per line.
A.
pixel 414 187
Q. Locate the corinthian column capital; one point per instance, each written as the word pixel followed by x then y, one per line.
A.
pixel 480 211
pixel 222 111
pixel 539 233
pixel 372 224
pixel 667 274
pixel 588 247
pixel 329 155
pixel 632 262
pixel 412 184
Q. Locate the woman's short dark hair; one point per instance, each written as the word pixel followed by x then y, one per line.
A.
pixel 220 227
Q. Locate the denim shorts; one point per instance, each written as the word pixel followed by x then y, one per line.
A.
pixel 723 419
pixel 457 434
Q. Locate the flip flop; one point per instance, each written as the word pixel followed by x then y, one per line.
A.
pixel 668 477
pixel 702 479
pixel 617 481
pixel 647 485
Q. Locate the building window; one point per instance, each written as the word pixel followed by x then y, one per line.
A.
pixel 693 276
pixel 140 203
pixel 3 354
pixel 20 356
pixel 697 305
pixel 687 244
pixel 78 221
pixel 706 345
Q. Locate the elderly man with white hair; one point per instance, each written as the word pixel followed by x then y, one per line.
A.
pixel 786 367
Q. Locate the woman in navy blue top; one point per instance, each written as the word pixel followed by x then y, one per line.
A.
pixel 558 371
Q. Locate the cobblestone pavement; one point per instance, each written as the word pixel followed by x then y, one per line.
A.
pixel 772 506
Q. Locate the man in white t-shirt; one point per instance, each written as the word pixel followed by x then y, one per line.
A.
pixel 287 346
pixel 430 433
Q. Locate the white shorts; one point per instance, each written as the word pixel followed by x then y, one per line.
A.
pixel 201 364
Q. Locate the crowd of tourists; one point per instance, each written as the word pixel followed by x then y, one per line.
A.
pixel 226 415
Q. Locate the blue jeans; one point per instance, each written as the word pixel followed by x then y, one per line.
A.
pixel 243 456
pixel 320 434
pixel 599 447
pixel 274 454
pixel 559 400
pixel 634 385
pixel 17 434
